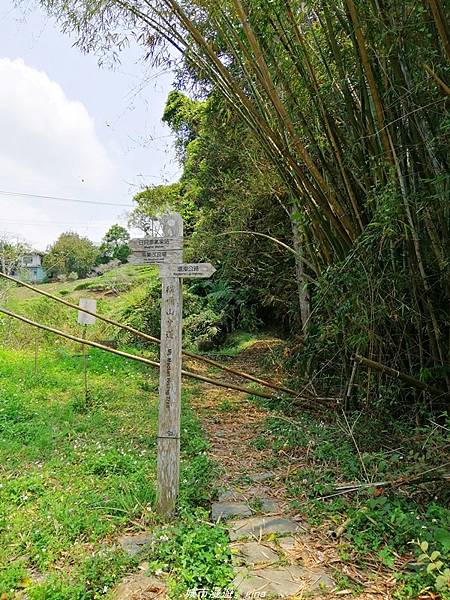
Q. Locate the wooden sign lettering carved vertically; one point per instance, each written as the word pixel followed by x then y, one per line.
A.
pixel 170 374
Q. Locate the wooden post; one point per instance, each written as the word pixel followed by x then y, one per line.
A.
pixel 165 249
pixel 170 373
pixel 86 391
pixel 36 351
pixel 86 319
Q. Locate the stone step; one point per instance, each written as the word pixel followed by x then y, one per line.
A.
pixel 133 544
pixel 253 554
pixel 259 527
pixel 264 476
pixel 225 510
pixel 283 582
pixel 139 586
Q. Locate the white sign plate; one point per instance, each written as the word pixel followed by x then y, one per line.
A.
pixel 200 270
pixel 89 304
pixel 155 243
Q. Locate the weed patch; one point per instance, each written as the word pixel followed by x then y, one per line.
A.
pixel 378 524
pixel 194 553
pixel 74 475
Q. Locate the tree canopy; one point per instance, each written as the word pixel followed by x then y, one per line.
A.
pixel 70 253
pixel 12 253
pixel 114 245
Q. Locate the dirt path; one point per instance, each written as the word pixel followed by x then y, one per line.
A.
pixel 278 552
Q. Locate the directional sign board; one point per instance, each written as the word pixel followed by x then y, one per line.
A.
pixel 150 257
pixel 154 251
pixel 191 270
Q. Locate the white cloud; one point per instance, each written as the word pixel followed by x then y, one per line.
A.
pixel 45 132
pixel 48 145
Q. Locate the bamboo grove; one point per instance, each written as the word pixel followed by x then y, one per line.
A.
pixel 347 102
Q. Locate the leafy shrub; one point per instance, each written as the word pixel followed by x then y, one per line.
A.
pixel 195 553
pixel 204 329
pixel 211 310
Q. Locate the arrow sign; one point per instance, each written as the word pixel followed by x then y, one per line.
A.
pixel 195 270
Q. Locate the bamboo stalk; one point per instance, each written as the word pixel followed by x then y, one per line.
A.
pixel 334 142
pixel 318 196
pixel 412 381
pixel 387 144
pixel 441 24
pixel 141 359
pixel 152 339
pixel 272 239
pixel 423 477
pixel 329 203
pixel 444 87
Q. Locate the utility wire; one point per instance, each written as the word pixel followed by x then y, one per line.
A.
pixel 67 223
pixel 6 193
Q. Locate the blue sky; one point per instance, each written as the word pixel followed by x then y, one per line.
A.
pixel 72 129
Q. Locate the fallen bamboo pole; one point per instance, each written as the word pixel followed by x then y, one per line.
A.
pixel 155 340
pixel 416 479
pixel 141 359
pixel 412 381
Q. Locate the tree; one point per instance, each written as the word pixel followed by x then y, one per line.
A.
pixel 184 116
pixel 115 245
pixel 71 253
pixel 156 200
pixel 11 253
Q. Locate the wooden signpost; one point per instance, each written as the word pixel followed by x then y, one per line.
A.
pixel 166 250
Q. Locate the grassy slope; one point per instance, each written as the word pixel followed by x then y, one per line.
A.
pixel 123 277
pixel 113 290
pixel 76 474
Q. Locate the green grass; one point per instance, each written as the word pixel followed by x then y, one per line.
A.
pixel 114 291
pixel 75 474
pixel 117 280
pixel 236 343
pixel 195 553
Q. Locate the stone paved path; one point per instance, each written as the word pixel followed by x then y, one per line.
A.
pixel 274 555
pixel 264 546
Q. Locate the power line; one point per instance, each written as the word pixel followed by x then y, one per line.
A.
pixel 6 193
pixel 52 224
pixel 78 223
